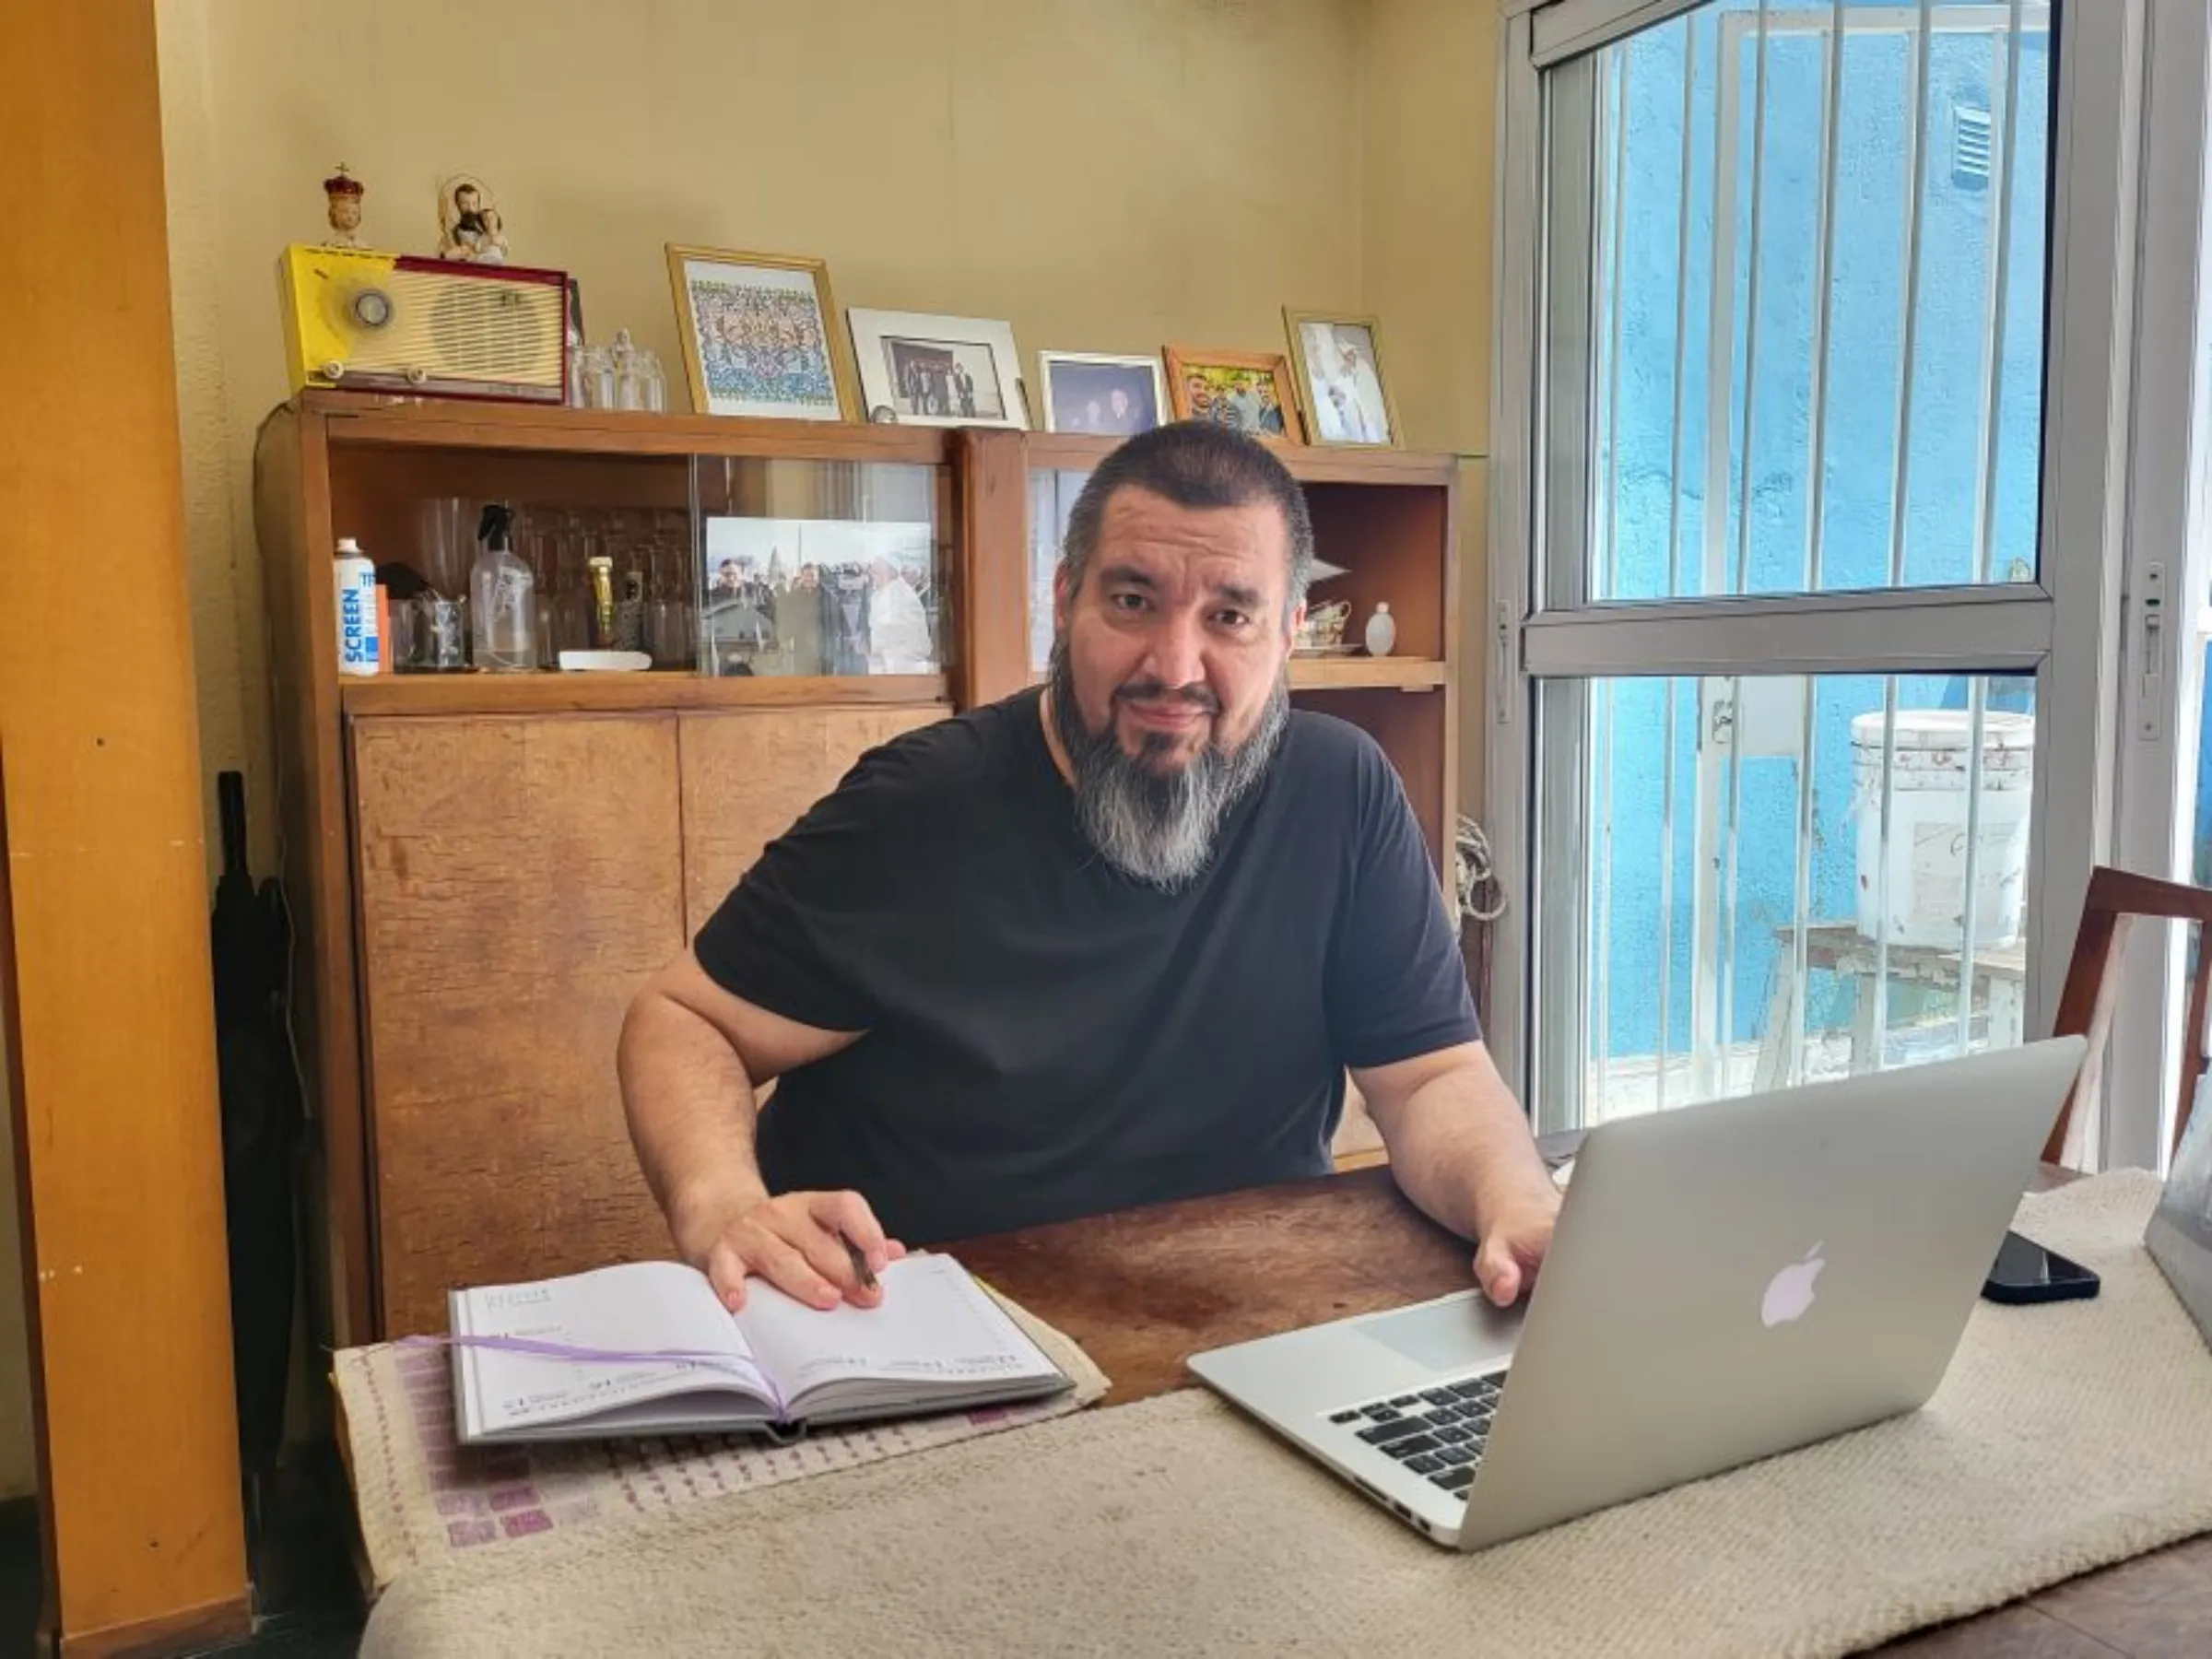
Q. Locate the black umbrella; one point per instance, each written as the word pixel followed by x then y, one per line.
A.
pixel 251 939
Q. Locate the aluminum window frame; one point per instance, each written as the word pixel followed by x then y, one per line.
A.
pixel 2167 583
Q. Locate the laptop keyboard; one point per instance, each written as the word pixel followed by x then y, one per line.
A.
pixel 1439 1432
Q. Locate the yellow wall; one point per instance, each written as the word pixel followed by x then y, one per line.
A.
pixel 1427 185
pixel 1107 174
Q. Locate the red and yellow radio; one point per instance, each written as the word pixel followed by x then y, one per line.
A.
pixel 358 320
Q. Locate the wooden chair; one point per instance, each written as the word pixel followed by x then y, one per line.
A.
pixel 2116 898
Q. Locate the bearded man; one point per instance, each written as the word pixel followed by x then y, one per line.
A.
pixel 1111 941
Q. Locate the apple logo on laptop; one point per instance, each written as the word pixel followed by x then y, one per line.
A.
pixel 1790 1292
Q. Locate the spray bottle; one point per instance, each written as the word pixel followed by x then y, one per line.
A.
pixel 359 646
pixel 502 596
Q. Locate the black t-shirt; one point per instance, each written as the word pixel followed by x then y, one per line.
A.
pixel 1047 1038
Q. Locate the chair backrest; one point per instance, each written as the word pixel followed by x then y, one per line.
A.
pixel 2115 898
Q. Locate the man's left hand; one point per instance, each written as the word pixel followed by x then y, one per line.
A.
pixel 1513 1247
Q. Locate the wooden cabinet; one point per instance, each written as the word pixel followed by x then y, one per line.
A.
pixel 518 879
pixel 747 776
pixel 482 868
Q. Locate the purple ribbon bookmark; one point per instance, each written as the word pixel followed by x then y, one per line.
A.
pixel 536 1348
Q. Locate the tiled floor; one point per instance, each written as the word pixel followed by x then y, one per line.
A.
pixel 309 1603
pixel 2157 1607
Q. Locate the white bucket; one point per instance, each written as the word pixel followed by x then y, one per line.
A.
pixel 1925 895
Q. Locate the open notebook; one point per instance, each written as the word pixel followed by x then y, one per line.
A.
pixel 937 1343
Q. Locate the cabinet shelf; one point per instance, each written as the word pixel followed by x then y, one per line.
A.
pixel 586 693
pixel 1361 673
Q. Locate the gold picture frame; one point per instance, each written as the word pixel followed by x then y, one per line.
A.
pixel 1216 370
pixel 789 377
pixel 1342 413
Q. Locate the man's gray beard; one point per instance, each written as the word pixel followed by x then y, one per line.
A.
pixel 1158 827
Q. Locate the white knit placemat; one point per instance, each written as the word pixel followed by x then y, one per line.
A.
pixel 2063 1438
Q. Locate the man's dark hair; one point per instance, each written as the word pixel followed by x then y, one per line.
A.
pixel 1196 463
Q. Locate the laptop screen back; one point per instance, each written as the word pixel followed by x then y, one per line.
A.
pixel 2180 1235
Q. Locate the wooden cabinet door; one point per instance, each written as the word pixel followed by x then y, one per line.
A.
pixel 518 879
pixel 749 774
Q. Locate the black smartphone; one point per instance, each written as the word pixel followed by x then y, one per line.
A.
pixel 2026 1272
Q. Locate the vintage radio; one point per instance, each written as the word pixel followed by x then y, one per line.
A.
pixel 375 321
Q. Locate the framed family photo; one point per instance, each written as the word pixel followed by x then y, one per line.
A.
pixel 759 334
pixel 1339 364
pixel 921 369
pixel 1249 391
pixel 1098 392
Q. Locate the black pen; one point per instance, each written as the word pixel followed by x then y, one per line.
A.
pixel 860 1262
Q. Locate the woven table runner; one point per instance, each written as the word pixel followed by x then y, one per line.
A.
pixel 2064 1437
pixel 422 1498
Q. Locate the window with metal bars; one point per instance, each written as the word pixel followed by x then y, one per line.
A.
pixel 1792 299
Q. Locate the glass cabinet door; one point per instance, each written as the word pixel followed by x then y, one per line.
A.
pixel 820 567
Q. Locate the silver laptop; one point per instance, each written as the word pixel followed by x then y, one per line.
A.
pixel 1727 1282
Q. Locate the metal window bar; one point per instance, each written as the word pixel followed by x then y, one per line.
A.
pixel 2000 216
pixel 1802 891
pixel 1991 418
pixel 1915 197
pixel 1758 192
pixel 1732 831
pixel 1824 254
pixel 1879 988
pixel 1601 954
pixel 1915 209
pixel 1615 113
pixel 1720 334
pixel 1720 365
pixel 1614 110
pixel 1977 695
pixel 1666 894
pixel 1746 472
pixel 1674 555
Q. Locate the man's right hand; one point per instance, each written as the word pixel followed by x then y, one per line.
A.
pixel 795 1241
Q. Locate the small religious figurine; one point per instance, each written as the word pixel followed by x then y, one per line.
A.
pixel 468 223
pixel 343 192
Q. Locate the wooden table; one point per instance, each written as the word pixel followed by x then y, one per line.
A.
pixel 1143 1289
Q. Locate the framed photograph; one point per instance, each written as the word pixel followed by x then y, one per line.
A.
pixel 1096 391
pixel 1249 391
pixel 1340 379
pixel 925 370
pixel 759 336
pixel 810 596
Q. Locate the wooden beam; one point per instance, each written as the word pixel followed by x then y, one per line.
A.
pixel 993 570
pixel 107 988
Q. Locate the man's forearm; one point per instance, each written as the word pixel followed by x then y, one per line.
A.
pixel 1460 1148
pixel 692 1110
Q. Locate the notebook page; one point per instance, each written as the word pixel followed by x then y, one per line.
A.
pixel 637 1308
pixel 934 1325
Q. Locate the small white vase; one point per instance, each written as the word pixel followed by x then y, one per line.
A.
pixel 1381 631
